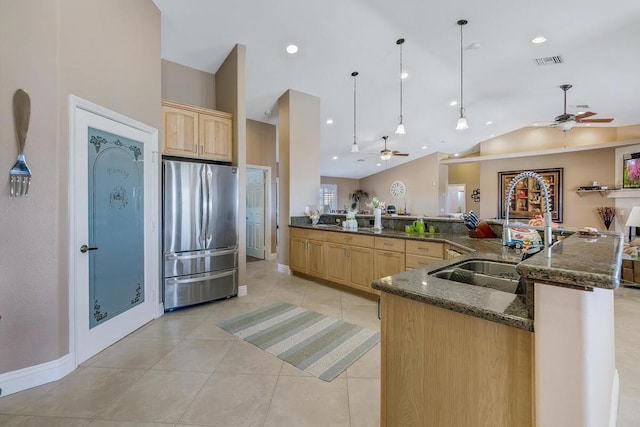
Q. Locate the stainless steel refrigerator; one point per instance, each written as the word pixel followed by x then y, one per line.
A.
pixel 200 229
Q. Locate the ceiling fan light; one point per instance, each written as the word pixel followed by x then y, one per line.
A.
pixel 354 147
pixel 462 123
pixel 400 129
pixel 385 155
pixel 565 126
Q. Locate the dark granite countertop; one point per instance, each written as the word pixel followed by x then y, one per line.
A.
pixel 585 262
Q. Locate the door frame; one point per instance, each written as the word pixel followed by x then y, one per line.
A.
pixel 151 215
pixel 267 210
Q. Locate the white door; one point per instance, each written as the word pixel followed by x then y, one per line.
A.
pixel 255 212
pixel 114 243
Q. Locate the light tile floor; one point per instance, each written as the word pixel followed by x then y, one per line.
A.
pixel 182 370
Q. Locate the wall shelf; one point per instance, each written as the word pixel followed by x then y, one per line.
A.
pixel 601 191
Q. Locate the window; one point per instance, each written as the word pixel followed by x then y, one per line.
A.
pixel 329 197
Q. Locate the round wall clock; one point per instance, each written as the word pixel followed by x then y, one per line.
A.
pixel 398 189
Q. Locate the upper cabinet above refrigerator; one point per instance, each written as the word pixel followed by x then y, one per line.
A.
pixel 196 133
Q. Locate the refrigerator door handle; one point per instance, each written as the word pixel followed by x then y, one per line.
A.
pixel 173 257
pixel 201 278
pixel 209 209
pixel 203 209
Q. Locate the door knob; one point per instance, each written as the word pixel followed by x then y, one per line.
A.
pixel 84 248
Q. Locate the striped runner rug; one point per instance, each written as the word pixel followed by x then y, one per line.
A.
pixel 317 344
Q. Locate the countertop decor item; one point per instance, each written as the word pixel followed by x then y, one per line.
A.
pixel 606 214
pixel 20 174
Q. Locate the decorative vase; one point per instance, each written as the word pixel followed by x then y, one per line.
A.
pixel 377 219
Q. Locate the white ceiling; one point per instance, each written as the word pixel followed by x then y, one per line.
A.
pixel 599 42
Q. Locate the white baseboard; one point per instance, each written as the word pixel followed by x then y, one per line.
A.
pixel 272 257
pixel 282 268
pixel 159 310
pixel 22 379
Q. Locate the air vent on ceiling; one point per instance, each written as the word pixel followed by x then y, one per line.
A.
pixel 582 106
pixel 549 60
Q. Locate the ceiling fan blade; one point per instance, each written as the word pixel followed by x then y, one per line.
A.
pixel 596 121
pixel 395 153
pixel 584 115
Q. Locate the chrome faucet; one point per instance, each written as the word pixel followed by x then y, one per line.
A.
pixel 506 231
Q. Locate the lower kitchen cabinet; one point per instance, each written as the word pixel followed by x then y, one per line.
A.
pixel 443 368
pixel 361 269
pixel 307 252
pixel 387 263
pixel 349 264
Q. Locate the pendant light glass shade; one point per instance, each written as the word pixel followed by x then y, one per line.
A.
pixel 354 146
pixel 400 129
pixel 462 121
pixel 385 155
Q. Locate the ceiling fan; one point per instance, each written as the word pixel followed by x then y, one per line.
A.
pixel 386 154
pixel 565 121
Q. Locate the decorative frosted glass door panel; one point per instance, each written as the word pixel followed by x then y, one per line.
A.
pixel 116 219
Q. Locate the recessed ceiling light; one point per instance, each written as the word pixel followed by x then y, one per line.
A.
pixel 378 164
pixel 489 122
pixel 538 40
pixel 292 48
pixel 424 147
pixel 335 157
pixel 404 75
pixel 329 121
pixel 491 136
pixel 456 155
pixel 453 103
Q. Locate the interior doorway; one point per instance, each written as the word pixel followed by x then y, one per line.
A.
pixel 258 209
pixel 456 198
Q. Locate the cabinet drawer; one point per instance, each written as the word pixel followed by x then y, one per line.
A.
pixel 431 249
pixel 350 239
pixel 416 261
pixel 307 234
pixel 387 244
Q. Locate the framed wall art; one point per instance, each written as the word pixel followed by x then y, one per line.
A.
pixel 527 199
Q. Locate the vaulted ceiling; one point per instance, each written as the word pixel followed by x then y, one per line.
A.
pixel 504 88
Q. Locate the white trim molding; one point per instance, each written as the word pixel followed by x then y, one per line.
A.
pixel 33 376
pixel 283 268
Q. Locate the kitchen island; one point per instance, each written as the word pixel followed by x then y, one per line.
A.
pixel 455 354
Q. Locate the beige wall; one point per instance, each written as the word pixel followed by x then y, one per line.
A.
pixel 261 151
pixel 580 168
pixel 54 49
pixel 231 97
pixel 425 180
pixel 468 174
pixel 188 85
pixel 298 168
pixel 346 187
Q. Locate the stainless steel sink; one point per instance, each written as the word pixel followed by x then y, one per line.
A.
pixel 489 274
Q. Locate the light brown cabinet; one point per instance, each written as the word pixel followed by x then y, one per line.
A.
pixel 389 257
pixel 443 368
pixel 196 132
pixel 350 260
pixel 420 253
pixel 307 252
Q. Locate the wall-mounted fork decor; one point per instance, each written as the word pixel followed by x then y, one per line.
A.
pixel 20 174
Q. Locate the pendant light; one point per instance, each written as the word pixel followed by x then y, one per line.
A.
pixel 400 128
pixel 462 121
pixel 354 147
